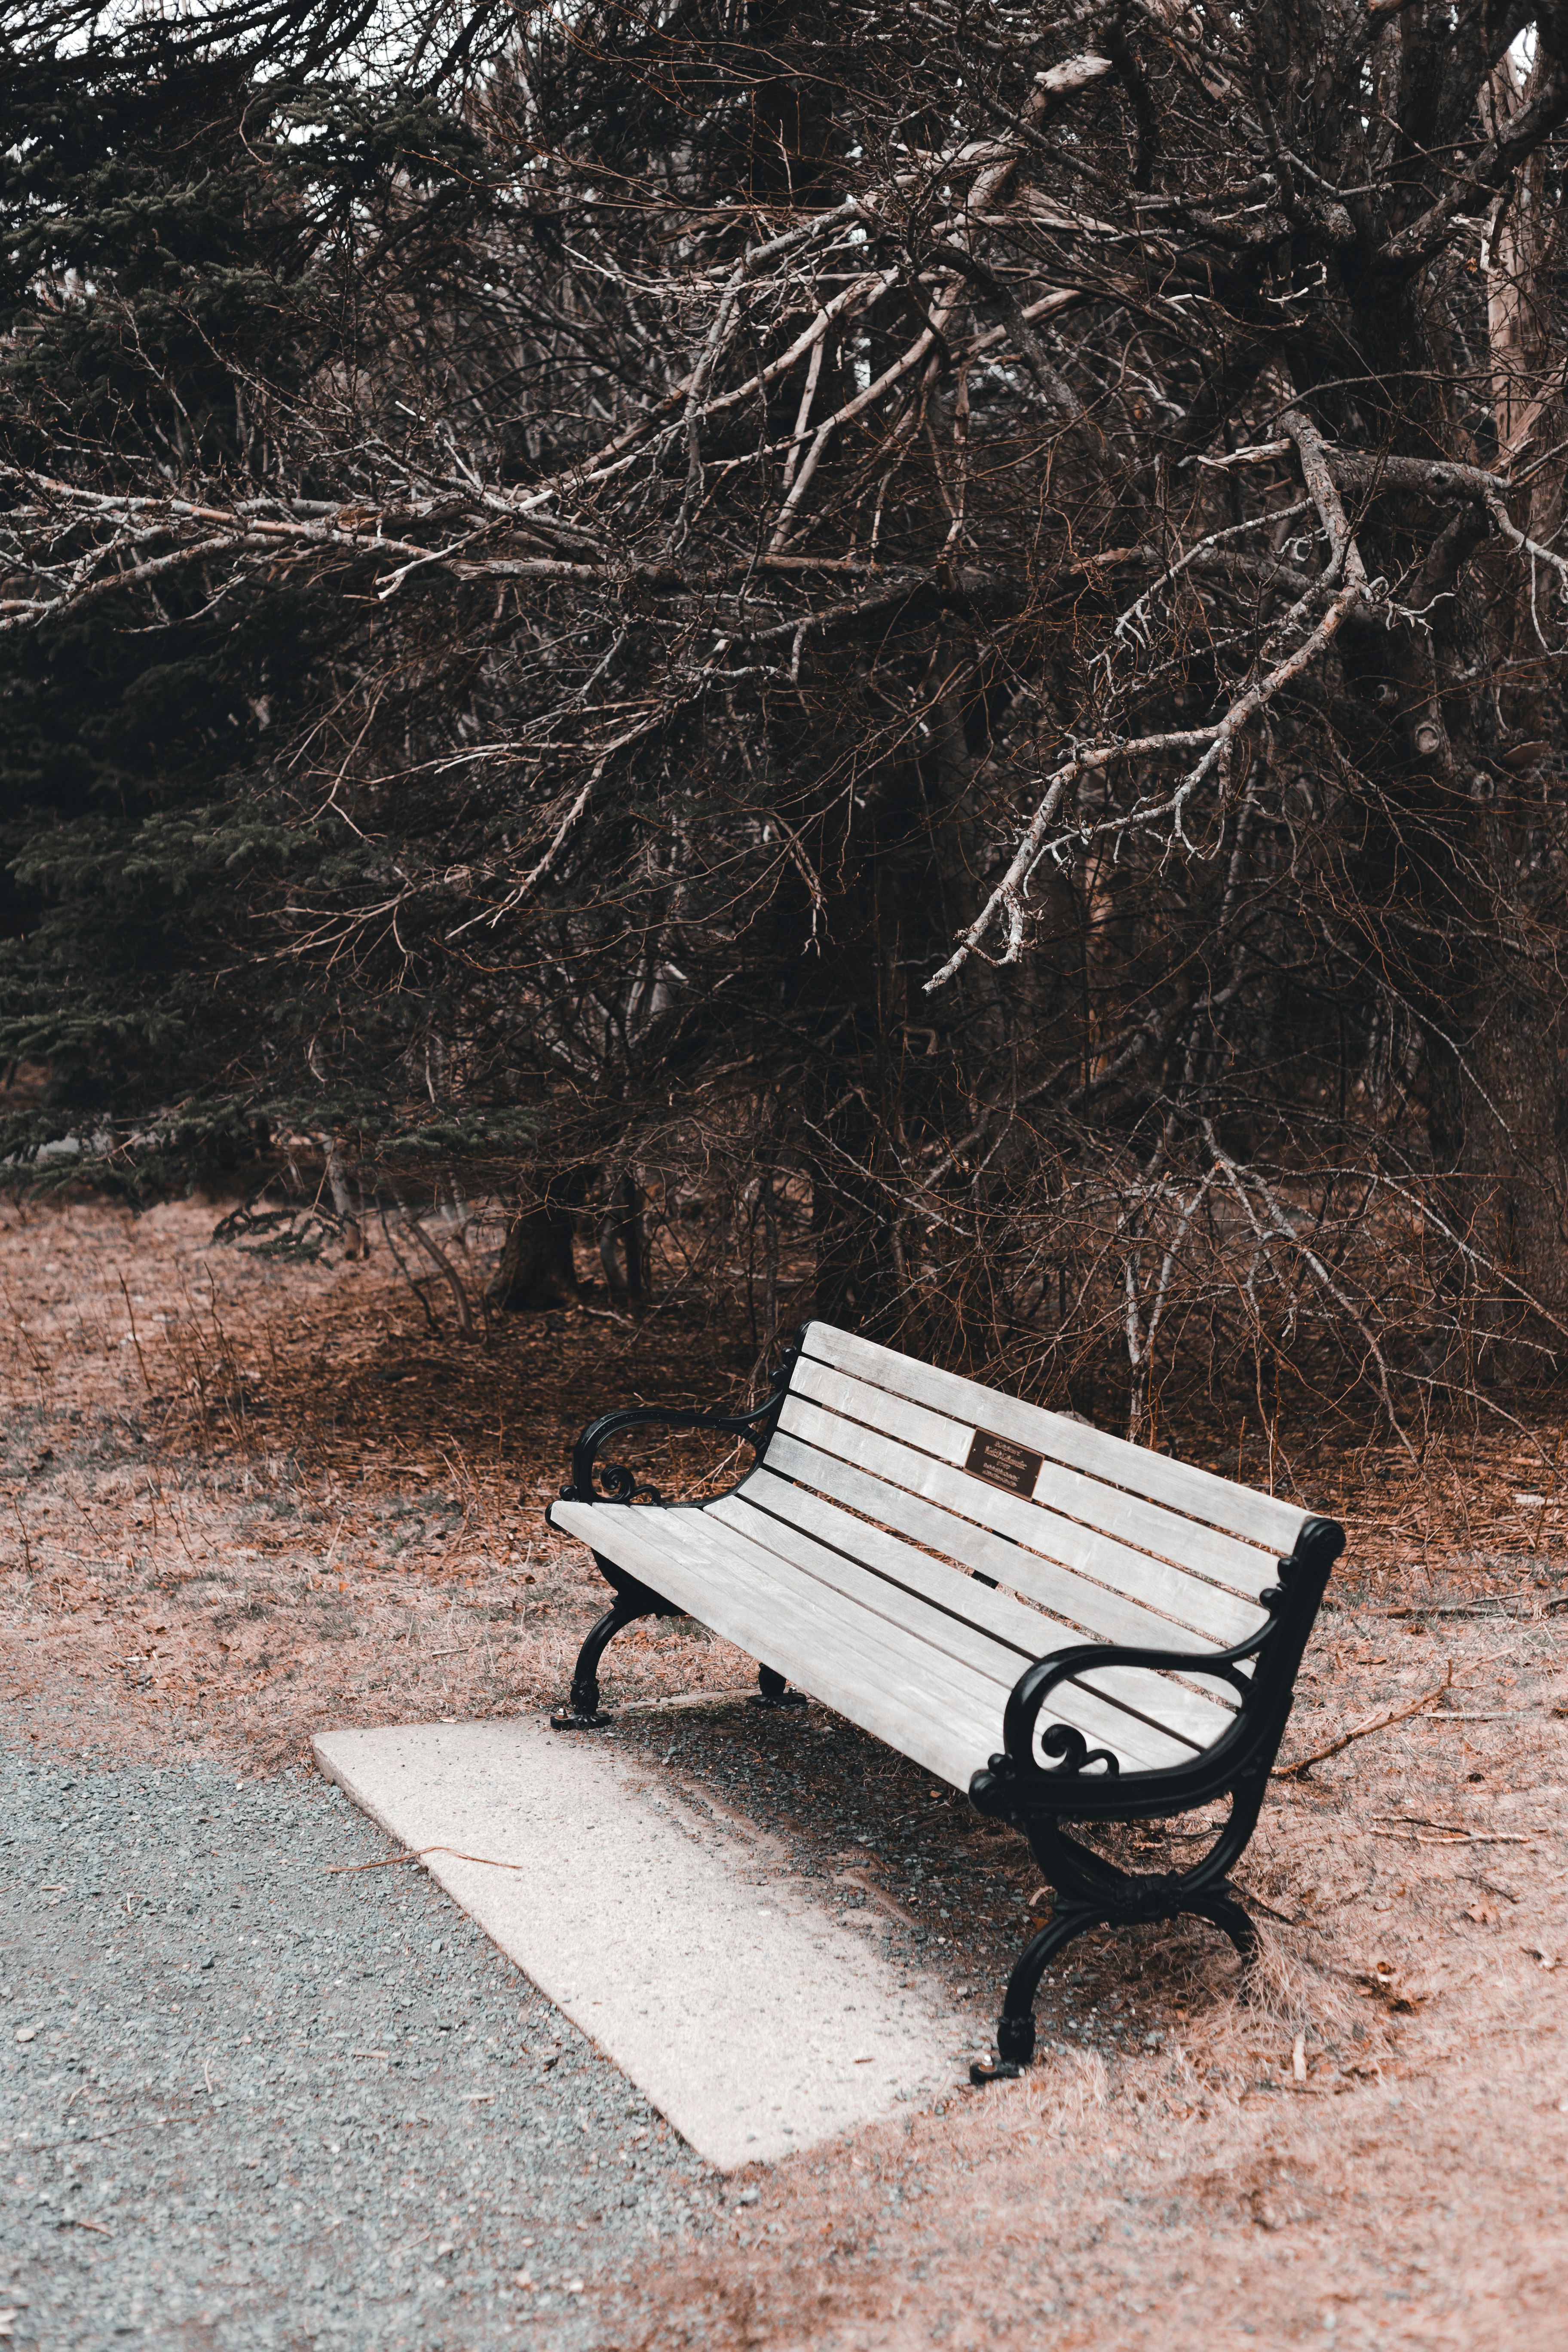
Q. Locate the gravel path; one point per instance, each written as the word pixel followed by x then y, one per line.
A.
pixel 246 2104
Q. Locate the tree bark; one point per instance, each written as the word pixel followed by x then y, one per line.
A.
pixel 537 1269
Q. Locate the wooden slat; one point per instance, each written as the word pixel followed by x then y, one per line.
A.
pixel 946 1637
pixel 1148 1526
pixel 859 1581
pixel 872 1662
pixel 874 1620
pixel 1020 1623
pixel 1082 1558
pixel 1214 1619
pixel 944 1597
pixel 756 1590
pixel 951 1749
pixel 1264 1519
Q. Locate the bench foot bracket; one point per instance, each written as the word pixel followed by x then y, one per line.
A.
pixel 773 1691
pixel 984 2070
pixel 574 1717
pixel 1015 2040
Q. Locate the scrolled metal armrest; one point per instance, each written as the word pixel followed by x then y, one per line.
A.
pixel 617 1483
pixel 1035 1683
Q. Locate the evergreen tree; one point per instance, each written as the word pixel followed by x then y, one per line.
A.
pixel 930 621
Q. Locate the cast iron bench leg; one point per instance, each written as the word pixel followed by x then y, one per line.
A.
pixel 772 1691
pixel 1016 2026
pixel 582 1711
pixel 1096 1892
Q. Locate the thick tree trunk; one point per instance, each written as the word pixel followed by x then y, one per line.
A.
pixel 536 1267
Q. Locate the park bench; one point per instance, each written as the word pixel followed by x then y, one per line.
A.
pixel 1070 1628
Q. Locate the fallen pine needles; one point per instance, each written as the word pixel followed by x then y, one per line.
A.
pixel 1364 1731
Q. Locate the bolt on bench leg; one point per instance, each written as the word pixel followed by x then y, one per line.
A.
pixel 773 1691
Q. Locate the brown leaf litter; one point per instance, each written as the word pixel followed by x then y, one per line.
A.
pixel 240 1501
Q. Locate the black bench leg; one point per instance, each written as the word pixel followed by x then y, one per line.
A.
pixel 581 1712
pixel 1016 2026
pixel 1222 1909
pixel 773 1691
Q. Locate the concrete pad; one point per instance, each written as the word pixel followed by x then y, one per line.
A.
pixel 738 2006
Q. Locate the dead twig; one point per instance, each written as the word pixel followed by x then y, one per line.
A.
pixel 135 1338
pixel 1364 1731
pixel 1493 1607
pixel 433 1327
pixel 346 1869
pixel 447 1272
pixel 1449 1832
pixel 1256 1903
pixel 1492 1714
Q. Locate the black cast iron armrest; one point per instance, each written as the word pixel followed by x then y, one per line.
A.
pixel 617 1484
pixel 1253 1739
pixel 594 1481
pixel 1035 1685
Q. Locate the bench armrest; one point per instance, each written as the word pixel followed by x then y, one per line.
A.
pixel 1032 1691
pixel 617 1484
pixel 1266 1695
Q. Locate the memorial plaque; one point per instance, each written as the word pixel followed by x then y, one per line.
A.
pixel 1004 1464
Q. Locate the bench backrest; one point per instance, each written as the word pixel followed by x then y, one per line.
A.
pixel 1129 1545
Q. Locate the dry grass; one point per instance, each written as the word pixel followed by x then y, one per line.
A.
pixel 1367 2148
pixel 241 1500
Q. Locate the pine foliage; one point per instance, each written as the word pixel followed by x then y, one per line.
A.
pixel 937 629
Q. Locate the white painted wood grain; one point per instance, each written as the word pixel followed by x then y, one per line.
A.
pixel 934 1598
pixel 1212 1618
pixel 884 1632
pixel 1264 1519
pixel 1116 1567
pixel 951 1750
pixel 1149 1527
pixel 867 1663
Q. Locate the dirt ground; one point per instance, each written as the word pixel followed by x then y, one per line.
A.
pixel 241 1500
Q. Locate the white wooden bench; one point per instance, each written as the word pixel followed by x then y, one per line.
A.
pixel 1065 1626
